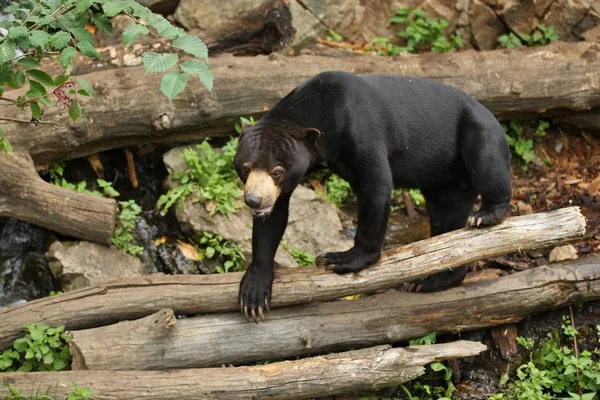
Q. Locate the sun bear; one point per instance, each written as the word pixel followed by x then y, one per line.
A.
pixel 378 132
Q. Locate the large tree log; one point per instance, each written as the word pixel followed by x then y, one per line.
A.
pixel 189 294
pixel 128 109
pixel 390 317
pixel 24 195
pixel 333 374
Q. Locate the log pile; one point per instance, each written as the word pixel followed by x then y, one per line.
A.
pixel 131 354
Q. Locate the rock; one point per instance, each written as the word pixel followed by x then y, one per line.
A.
pixel 524 208
pixel 566 15
pixel 164 7
pixel 311 18
pixel 562 253
pixel 313 225
pixel 486 27
pixel 589 26
pixel 80 264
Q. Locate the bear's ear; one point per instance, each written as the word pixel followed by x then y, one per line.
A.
pixel 311 134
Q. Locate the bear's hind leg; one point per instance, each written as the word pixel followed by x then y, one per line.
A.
pixel 448 210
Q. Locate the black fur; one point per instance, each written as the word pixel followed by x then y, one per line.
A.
pixel 377 132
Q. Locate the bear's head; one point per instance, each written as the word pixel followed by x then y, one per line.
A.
pixel 272 159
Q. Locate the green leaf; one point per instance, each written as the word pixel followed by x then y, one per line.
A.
pixel 45 101
pixel 133 33
pixel 21 344
pixel 33 94
pixel 192 45
pixel 88 49
pixel 75 110
pixel 7 51
pixel 210 252
pixel 200 69
pixel 102 23
pixel 82 6
pixel 17 32
pixel 113 7
pixel 67 56
pixel 29 63
pixel 85 86
pixel 154 62
pixel 17 80
pixel 82 34
pixel 59 364
pixel 5 144
pixel 173 83
pixel 36 111
pixel 59 40
pixel 41 76
pixel 39 39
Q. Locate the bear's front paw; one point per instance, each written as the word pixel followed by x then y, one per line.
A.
pixel 255 293
pixel 345 262
pixel 487 217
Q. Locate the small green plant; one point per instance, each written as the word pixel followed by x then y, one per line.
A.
pixel 209 177
pixel 129 210
pixel 338 190
pixel 228 254
pixel 541 36
pixel 244 121
pixel 53 293
pixel 424 33
pixel 333 36
pixel 416 196
pixel 302 257
pixel 555 371
pixel 123 238
pixel 41 349
pixel 430 338
pixel 520 137
pixel 527 343
pixel 78 393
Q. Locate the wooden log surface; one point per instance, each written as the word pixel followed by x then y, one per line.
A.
pixel 190 294
pixel 26 196
pixel 128 109
pixel 316 328
pixel 333 374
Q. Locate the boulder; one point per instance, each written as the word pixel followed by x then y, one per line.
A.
pixel 486 27
pixel 79 264
pixel 566 15
pixel 303 231
pixel 311 18
pixel 563 253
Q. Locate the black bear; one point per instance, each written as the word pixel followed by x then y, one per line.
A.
pixel 377 132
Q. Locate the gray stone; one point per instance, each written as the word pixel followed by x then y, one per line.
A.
pixel 313 225
pixel 79 264
pixel 566 15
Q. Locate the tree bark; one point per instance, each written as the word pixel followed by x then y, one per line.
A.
pixel 192 294
pixel 333 374
pixel 128 109
pixel 26 196
pixel 317 328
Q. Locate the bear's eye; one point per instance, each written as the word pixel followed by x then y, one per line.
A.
pixel 245 169
pixel 277 173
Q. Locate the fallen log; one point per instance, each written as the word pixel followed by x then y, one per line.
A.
pixel 369 369
pixel 192 294
pixel 26 196
pixel 128 109
pixel 316 328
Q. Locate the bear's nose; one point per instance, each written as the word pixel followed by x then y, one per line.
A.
pixel 253 200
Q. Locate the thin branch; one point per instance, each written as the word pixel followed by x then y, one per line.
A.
pixel 24 121
pixel 576 348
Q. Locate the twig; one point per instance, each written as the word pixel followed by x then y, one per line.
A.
pixel 576 349
pixel 24 121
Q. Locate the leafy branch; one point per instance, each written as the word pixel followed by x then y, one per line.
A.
pixel 58 30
